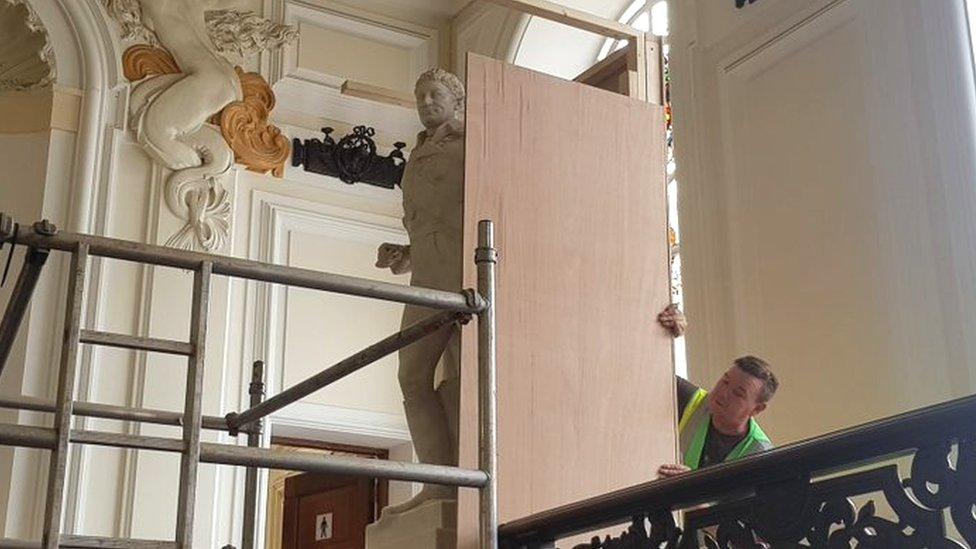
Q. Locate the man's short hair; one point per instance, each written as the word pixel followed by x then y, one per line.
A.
pixel 760 369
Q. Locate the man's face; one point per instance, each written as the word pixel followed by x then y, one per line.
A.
pixel 435 104
pixel 736 397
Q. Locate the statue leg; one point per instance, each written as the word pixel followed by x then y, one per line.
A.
pixel 449 390
pixel 429 426
pixel 168 119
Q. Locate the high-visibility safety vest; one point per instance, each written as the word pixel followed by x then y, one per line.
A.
pixel 693 430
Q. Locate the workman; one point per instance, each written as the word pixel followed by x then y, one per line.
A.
pixel 719 425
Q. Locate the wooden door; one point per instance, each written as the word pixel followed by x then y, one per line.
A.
pixel 574 178
pixel 324 512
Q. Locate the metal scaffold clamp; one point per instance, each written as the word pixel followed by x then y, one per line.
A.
pixel 474 300
pixel 485 255
pixel 45 228
pixel 232 428
pixel 6 227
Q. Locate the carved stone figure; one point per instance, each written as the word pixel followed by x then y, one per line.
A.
pixel 433 187
pixel 169 111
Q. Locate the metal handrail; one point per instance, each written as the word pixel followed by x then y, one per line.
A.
pixel 243 268
pixel 866 444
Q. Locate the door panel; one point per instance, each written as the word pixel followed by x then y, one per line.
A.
pixel 327 512
pixel 574 178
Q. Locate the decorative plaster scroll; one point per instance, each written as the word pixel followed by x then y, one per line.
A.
pixel 142 61
pixel 172 102
pixel 243 34
pixel 257 144
pixel 26 53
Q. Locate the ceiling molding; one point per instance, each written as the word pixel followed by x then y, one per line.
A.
pixel 486 29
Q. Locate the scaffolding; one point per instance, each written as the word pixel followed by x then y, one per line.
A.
pixel 43 238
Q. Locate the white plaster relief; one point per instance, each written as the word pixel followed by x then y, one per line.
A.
pixel 169 112
pixel 129 17
pixel 244 34
pixel 26 53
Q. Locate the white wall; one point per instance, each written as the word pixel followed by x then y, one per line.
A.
pixel 827 207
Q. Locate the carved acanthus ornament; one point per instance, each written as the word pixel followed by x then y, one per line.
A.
pixel 142 61
pixel 257 144
pixel 26 53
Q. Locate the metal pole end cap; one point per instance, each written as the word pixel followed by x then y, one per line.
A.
pixel 232 426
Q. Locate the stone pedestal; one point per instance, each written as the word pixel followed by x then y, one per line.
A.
pixel 432 525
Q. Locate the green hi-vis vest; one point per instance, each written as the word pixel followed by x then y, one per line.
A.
pixel 693 430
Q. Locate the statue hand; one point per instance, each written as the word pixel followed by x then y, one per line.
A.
pixel 393 256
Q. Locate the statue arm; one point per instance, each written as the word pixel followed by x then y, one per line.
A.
pixel 393 256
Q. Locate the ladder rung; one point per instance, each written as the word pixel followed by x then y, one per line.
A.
pixel 121 413
pixel 118 543
pixel 7 543
pixel 139 343
pixel 90 541
pixel 99 438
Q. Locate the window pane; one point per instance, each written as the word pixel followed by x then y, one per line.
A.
pixel 643 22
pixel 659 19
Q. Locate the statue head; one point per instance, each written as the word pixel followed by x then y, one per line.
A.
pixel 440 98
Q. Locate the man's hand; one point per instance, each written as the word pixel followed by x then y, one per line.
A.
pixel 394 256
pixel 673 320
pixel 670 470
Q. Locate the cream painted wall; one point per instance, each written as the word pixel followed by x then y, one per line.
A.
pixel 354 57
pixel 827 207
pixel 324 328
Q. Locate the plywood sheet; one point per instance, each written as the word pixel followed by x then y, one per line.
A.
pixel 574 178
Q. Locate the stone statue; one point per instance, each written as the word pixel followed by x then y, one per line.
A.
pixel 433 191
pixel 169 111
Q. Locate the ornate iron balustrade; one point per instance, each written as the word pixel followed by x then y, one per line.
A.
pixel 799 496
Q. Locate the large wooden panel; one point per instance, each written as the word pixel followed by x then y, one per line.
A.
pixel 574 178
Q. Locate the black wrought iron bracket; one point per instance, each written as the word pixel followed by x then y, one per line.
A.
pixel 352 159
pixel 740 3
